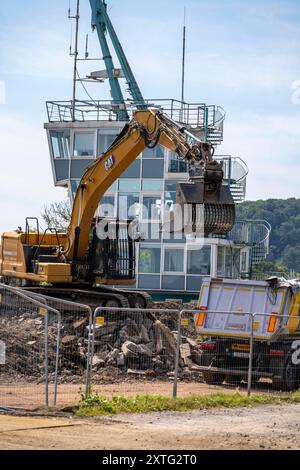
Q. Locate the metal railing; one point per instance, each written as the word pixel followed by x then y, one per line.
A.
pixel 202 117
pixel 255 234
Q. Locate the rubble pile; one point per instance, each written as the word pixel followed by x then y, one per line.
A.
pixel 142 346
pixel 126 346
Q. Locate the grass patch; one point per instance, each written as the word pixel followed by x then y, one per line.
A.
pixel 94 405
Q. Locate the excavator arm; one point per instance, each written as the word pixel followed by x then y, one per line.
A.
pixel 149 128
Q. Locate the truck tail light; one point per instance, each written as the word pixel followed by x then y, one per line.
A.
pixel 276 352
pixel 201 319
pixel 208 346
pixel 272 322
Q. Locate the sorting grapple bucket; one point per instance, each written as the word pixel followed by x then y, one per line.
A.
pixel 206 203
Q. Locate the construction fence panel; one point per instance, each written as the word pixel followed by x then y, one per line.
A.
pixel 279 359
pixel 26 354
pixel 244 358
pixel 133 351
pixel 69 381
pixel 220 359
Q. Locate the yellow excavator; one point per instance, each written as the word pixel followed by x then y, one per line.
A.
pixel 83 266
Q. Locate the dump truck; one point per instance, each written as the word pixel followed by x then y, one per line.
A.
pixel 226 323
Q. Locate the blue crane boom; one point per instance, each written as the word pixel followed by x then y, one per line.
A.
pixel 102 23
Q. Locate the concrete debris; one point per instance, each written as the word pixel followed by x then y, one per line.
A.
pixel 126 344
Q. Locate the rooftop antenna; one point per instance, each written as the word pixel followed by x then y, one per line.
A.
pixel 183 58
pixel 75 54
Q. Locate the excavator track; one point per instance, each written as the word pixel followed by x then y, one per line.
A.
pixel 93 296
pixel 90 297
pixel 136 299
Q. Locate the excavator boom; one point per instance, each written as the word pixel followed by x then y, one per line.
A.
pixel 81 257
pixel 148 129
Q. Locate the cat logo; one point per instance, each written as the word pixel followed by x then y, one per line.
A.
pixel 110 163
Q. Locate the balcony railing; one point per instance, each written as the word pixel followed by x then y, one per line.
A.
pixel 256 235
pixel 205 120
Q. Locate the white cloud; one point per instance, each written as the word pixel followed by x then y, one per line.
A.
pixel 26 183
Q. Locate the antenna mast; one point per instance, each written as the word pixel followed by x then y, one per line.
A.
pixel 183 57
pixel 75 54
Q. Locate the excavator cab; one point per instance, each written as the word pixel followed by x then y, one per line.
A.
pixel 112 251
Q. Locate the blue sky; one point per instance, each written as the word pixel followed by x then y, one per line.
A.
pixel 241 55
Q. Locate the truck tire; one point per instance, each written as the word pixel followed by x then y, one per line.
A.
pixel 211 378
pixel 234 379
pixel 290 379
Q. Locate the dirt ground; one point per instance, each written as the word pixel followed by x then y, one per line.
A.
pixel 265 427
pixel 29 396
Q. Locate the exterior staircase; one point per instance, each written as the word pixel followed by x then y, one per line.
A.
pixel 256 235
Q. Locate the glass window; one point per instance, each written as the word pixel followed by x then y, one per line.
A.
pixel 74 187
pixel 151 207
pixel 221 261
pixel 228 262
pixel 170 201
pixel 236 262
pixel 105 141
pixel 244 261
pixel 176 165
pixel 149 259
pixel 199 260
pixel 84 145
pixel 174 260
pixel 157 152
pixel 129 206
pixel 170 186
pixel 60 142
pixel 129 185
pixel 114 187
pixel 107 206
pixel 153 185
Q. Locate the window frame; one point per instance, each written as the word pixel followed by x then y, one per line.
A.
pixel 148 246
pixel 152 195
pixel 173 175
pixel 60 145
pixel 198 248
pixel 86 157
pixel 169 247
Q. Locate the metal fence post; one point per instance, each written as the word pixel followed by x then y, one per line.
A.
pixel 175 385
pixel 46 360
pixel 249 385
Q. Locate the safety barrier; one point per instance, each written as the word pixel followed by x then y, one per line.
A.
pixel 134 350
pixel 70 378
pixel 26 324
pixel 52 351
pixel 266 355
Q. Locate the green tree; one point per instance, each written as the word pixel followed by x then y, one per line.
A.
pixel 58 215
pixel 284 217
